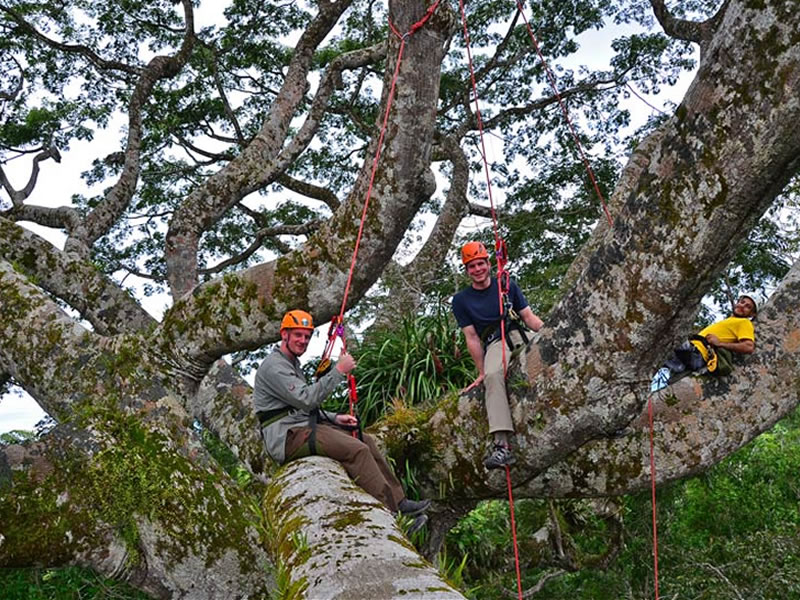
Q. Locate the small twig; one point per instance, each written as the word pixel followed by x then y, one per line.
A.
pixel 529 593
pixel 721 575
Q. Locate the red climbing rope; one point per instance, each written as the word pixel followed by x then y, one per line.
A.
pixel 513 531
pixel 502 276
pixel 336 329
pixel 552 80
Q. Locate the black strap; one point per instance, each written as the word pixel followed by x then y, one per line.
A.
pixel 313 419
pixel 493 332
pixel 268 417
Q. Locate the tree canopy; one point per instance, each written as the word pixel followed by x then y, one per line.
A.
pixel 237 186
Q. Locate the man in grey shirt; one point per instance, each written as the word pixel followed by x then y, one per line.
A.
pixel 293 425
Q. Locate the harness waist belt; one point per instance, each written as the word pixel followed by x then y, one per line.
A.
pixel 268 417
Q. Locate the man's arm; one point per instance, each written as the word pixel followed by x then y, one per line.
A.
pixel 530 319
pixel 475 348
pixel 281 382
pixel 740 347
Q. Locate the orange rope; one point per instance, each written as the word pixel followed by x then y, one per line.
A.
pixel 653 492
pixel 502 276
pixel 336 328
pixel 514 532
pixel 552 80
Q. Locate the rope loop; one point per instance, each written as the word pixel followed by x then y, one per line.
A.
pixel 501 252
pixel 416 26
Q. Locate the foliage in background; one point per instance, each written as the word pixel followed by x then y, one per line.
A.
pixel 731 533
pixel 69 583
pixel 415 362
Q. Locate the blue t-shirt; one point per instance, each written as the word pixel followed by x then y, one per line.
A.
pixel 481 308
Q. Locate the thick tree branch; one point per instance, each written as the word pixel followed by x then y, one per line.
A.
pixel 407 285
pixel 84 51
pixel 69 500
pixel 699 421
pixel 33 365
pixel 110 309
pixel 637 164
pixel 384 568
pixel 309 190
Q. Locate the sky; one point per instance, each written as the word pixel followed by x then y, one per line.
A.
pixel 59 181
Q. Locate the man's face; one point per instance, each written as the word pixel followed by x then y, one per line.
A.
pixel 478 270
pixel 296 340
pixel 744 307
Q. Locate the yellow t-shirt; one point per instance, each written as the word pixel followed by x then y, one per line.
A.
pixel 732 329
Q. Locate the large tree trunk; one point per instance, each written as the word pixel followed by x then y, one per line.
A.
pixel 712 171
pixel 139 498
pixel 695 190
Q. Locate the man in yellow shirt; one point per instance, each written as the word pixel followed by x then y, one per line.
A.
pixel 735 334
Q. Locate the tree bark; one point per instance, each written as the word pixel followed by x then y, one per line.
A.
pixel 696 190
pixel 716 167
pixel 353 547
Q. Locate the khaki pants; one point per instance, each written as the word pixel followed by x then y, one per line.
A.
pixel 497 409
pixel 362 460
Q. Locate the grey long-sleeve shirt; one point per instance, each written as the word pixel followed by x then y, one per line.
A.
pixel 280 383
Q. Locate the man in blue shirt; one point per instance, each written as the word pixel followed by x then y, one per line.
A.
pixel 477 311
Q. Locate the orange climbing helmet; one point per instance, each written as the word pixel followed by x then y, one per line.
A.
pixel 297 319
pixel 473 250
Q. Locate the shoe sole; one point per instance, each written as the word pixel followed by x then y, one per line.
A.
pixel 418 524
pixel 419 511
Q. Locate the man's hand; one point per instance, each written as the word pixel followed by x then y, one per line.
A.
pixel 475 383
pixel 346 420
pixel 740 347
pixel 345 364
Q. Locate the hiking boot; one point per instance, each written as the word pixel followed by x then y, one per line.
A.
pixel 499 458
pixel 412 508
pixel 419 521
pixel 660 379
